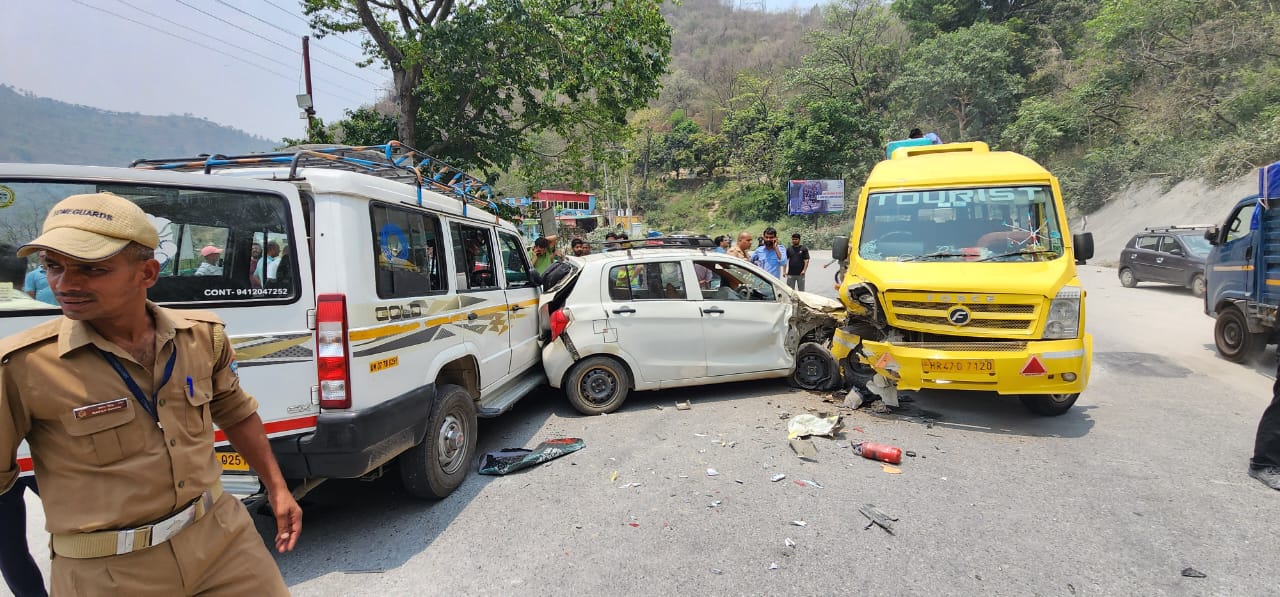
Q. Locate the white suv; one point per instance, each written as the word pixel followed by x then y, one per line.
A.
pixel 661 317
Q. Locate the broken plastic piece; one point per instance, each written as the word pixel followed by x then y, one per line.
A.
pixel 808 483
pixel 892 470
pixel 804 448
pixel 1193 573
pixel 877 517
pixel 789 543
pixel 613 477
pixel 712 472
pixel 715 503
pixel 853 399
pixel 509 460
pixel 778 477
pixel 773 566
pixel 798 523
pixel 683 405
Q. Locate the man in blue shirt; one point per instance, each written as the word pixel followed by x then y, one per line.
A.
pixel 769 255
pixel 36 286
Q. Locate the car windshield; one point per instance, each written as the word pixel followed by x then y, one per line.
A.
pixel 1197 244
pixel 991 224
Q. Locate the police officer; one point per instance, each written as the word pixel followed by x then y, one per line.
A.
pixel 117 400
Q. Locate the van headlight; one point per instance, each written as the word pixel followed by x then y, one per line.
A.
pixel 1064 315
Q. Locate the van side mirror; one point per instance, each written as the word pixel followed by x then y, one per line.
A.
pixel 1211 235
pixel 1084 247
pixel 840 248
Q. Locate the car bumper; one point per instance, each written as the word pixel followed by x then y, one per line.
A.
pixel 1005 367
pixel 349 444
pixel 557 357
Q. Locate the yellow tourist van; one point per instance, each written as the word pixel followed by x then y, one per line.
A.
pixel 962 276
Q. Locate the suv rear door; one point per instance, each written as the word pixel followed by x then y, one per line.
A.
pixel 267 321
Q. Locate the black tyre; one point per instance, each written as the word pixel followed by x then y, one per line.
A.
pixel 1234 340
pixel 1197 285
pixel 597 385
pixel 1127 279
pixel 437 466
pixel 816 368
pixel 1049 405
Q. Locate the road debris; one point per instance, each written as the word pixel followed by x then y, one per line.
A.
pixel 510 460
pixel 910 454
pixel 778 477
pixel 877 517
pixel 683 405
pixel 628 485
pixel 634 525
pixel 712 472
pixel 854 399
pixel 773 566
pixel 1193 573
pixel 739 481
pixel 715 504
pixel 807 425
pixel 789 543
pixel 799 523
pixel 717 571
pixel 804 448
pixel 892 470
pixel 807 483
pixel 881 452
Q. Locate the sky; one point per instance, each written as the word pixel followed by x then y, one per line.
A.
pixel 234 62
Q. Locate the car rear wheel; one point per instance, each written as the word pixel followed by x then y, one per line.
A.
pixel 816 368
pixel 438 464
pixel 1234 340
pixel 1197 285
pixel 1049 405
pixel 597 385
pixel 1127 279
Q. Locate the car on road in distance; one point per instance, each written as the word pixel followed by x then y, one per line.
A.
pixel 1168 254
pixel 679 314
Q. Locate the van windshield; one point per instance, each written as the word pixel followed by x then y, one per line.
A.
pixel 993 224
pixel 216 246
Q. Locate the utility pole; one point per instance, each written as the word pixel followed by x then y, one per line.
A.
pixel 306 71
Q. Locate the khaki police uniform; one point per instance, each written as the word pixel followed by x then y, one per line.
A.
pixel 105 465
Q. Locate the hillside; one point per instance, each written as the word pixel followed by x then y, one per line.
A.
pixel 41 130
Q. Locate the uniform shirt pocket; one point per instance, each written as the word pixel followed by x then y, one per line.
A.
pixel 102 438
pixel 198 416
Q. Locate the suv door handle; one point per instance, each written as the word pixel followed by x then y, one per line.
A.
pixel 622 310
pixel 472 316
pixel 713 311
pixel 515 308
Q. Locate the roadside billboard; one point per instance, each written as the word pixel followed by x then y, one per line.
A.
pixel 808 197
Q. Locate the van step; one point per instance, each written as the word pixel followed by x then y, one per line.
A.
pixel 502 399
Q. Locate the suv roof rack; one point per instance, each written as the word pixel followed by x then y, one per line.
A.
pixel 693 241
pixel 392 160
pixel 1178 228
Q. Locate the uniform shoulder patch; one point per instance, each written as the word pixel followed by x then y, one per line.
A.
pixel 30 337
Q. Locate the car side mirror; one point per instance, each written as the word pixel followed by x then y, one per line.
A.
pixel 1176 251
pixel 1084 247
pixel 1211 235
pixel 840 248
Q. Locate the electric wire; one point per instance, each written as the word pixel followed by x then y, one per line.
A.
pixel 300 18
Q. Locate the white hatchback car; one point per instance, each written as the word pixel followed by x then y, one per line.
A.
pixel 658 317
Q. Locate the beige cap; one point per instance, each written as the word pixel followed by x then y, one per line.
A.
pixel 93 227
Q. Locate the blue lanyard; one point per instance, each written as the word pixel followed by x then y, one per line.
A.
pixel 151 405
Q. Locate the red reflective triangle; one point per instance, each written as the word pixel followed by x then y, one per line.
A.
pixel 1034 367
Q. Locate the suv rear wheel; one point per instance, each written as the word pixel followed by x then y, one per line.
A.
pixel 437 466
pixel 1127 279
pixel 597 385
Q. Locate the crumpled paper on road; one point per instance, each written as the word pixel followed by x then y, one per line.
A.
pixel 807 424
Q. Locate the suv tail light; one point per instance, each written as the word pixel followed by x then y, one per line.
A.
pixel 333 364
pixel 560 319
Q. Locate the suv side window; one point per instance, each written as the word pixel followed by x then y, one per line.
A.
pixel 406 246
pixel 473 254
pixel 1148 243
pixel 646 281
pixel 517 267
pixel 729 282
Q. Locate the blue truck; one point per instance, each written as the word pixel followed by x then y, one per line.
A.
pixel 1243 272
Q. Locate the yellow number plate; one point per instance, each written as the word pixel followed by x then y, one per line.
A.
pixel 232 461
pixel 958 366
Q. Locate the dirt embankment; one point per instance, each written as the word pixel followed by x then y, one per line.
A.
pixel 1148 204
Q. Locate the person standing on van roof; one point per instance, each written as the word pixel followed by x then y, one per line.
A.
pixel 117 400
pixel 544 253
pixel 210 267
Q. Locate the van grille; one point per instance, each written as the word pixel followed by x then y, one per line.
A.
pixel 990 315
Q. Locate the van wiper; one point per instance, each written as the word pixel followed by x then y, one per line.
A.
pixel 1017 253
pixel 936 256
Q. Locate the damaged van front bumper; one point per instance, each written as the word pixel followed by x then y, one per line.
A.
pixel 1002 366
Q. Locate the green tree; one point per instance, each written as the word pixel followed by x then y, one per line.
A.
pixel 961 80
pixel 857 52
pixel 473 81
pixel 710 152
pixel 829 138
pixel 674 150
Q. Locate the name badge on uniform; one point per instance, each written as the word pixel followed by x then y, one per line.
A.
pixel 101 408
